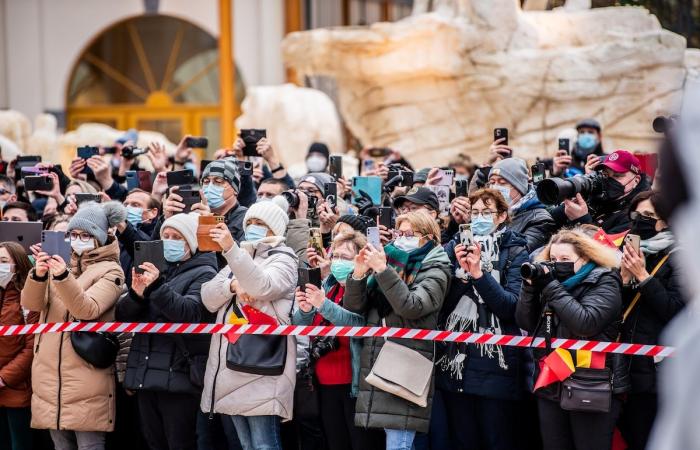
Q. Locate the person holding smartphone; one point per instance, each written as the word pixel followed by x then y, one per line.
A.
pixel 261 273
pixel 650 275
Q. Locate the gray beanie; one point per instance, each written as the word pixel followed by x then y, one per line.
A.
pixel 97 218
pixel 318 179
pixel 514 171
pixel 227 169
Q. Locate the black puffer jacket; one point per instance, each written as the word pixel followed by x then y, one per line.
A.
pixel 591 310
pixel 661 300
pixel 534 223
pixel 155 361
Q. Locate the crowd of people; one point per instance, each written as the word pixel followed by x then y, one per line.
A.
pixel 469 247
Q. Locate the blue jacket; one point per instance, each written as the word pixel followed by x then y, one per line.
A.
pixel 337 315
pixel 482 375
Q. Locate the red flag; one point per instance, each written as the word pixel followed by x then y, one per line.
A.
pixel 557 366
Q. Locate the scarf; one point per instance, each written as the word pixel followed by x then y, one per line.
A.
pixel 660 242
pixel 406 264
pixel 525 201
pixel 472 314
pixel 579 276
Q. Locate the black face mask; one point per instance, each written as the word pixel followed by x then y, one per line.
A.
pixel 563 270
pixel 644 227
pixel 613 189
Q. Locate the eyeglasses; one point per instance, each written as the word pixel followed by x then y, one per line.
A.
pixel 486 214
pixel 398 234
pixel 634 215
pixel 412 208
pixel 74 236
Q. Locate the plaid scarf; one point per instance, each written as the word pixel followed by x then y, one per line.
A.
pixel 406 264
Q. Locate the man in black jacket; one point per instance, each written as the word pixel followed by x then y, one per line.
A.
pixel 141 216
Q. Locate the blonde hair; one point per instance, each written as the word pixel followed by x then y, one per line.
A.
pixel 584 246
pixel 354 238
pixel 422 223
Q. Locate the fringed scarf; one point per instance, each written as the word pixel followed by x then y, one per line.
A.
pixel 472 314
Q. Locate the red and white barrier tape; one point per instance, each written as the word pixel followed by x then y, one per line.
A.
pixel 356 332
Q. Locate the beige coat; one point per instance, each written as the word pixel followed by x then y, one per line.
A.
pixel 68 393
pixel 270 277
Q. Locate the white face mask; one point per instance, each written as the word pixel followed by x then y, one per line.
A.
pixel 79 247
pixel 6 274
pixel 407 244
pixel 316 163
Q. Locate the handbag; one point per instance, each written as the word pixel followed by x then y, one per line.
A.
pixel 257 354
pixel 403 372
pixel 97 348
pixel 197 364
pixel 587 390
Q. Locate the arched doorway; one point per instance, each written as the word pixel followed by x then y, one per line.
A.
pixel 151 72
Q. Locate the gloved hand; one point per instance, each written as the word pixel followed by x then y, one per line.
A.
pixel 365 206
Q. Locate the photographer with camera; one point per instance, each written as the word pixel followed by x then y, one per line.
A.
pixel 600 198
pixel 335 361
pixel 588 142
pixel 481 385
pixel 573 291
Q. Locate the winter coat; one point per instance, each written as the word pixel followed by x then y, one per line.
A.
pixel 298 238
pixel 483 375
pixel 414 306
pixel 662 298
pixel 68 393
pixel 156 361
pixel 534 222
pixel 591 310
pixel 16 352
pixel 267 272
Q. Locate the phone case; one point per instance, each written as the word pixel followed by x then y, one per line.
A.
pixel 309 276
pixel 204 241
pixel 189 198
pixel 465 234
pixel 81 197
pixel 251 138
pixel 38 183
pixel 149 251
pixel 335 167
pixel 373 237
pixel 145 180
pixel 316 241
pixel 132 180
pixel 180 178
pixel 370 185
pixel 55 243
pixel 385 217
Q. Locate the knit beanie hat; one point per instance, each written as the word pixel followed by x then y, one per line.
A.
pixel 319 147
pixel 97 218
pixel 319 179
pixel 357 222
pixel 514 171
pixel 227 169
pixel 186 225
pixel 273 213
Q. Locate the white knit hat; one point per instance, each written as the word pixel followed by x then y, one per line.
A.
pixel 186 225
pixel 272 212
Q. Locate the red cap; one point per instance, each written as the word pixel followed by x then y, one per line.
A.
pixel 621 161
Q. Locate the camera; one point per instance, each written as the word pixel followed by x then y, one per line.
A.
pixel 131 152
pixel 553 191
pixel 292 198
pixel 322 346
pixel 533 271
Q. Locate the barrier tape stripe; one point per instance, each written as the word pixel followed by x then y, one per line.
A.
pixel 343 331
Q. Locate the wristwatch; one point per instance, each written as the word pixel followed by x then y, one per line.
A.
pixel 278 169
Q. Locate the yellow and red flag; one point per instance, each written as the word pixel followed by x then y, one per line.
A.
pixel 557 366
pixel 610 240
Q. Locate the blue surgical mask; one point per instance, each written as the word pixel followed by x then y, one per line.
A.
pixel 482 226
pixel 341 269
pixel 587 141
pixel 255 232
pixel 134 215
pixel 505 192
pixel 173 250
pixel 214 195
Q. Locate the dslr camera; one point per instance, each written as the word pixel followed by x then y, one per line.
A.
pixel 533 271
pixel 322 346
pixel 553 191
pixel 130 152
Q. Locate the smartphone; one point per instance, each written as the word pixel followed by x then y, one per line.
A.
pixel 197 142
pixel 149 251
pixel 538 173
pixel 372 186
pixel 190 197
pixel 335 167
pixel 87 152
pixel 312 213
pixel 38 183
pixel 465 234
pixel 564 144
pixel 245 167
pixel 109 150
pixel 251 138
pixel 139 179
pixel 204 242
pixel 82 197
pixel 309 275
pixel 500 133
pixel 379 152
pixel 180 178
pixel 316 241
pixel 331 190
pixel 634 240
pixel 21 165
pixel 33 170
pixel 386 217
pixel 461 188
pixel 446 177
pixel 373 237
pixel 406 177
pixel 29 158
pixel 56 243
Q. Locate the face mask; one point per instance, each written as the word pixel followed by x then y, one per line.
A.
pixel 79 247
pixel 587 141
pixel 341 269
pixel 482 226
pixel 564 270
pixel 407 244
pixel 505 192
pixel 6 274
pixel 173 250
pixel 316 163
pixel 214 195
pixel 644 227
pixel 613 189
pixel 134 215
pixel 255 232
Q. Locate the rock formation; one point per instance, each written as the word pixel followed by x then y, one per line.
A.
pixel 438 82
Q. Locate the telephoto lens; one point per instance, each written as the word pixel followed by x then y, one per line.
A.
pixel 532 271
pixel 292 198
pixel 553 191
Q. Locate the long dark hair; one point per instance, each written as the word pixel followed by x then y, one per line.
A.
pixel 22 263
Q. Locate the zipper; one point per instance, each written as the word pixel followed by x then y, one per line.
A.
pixel 218 364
